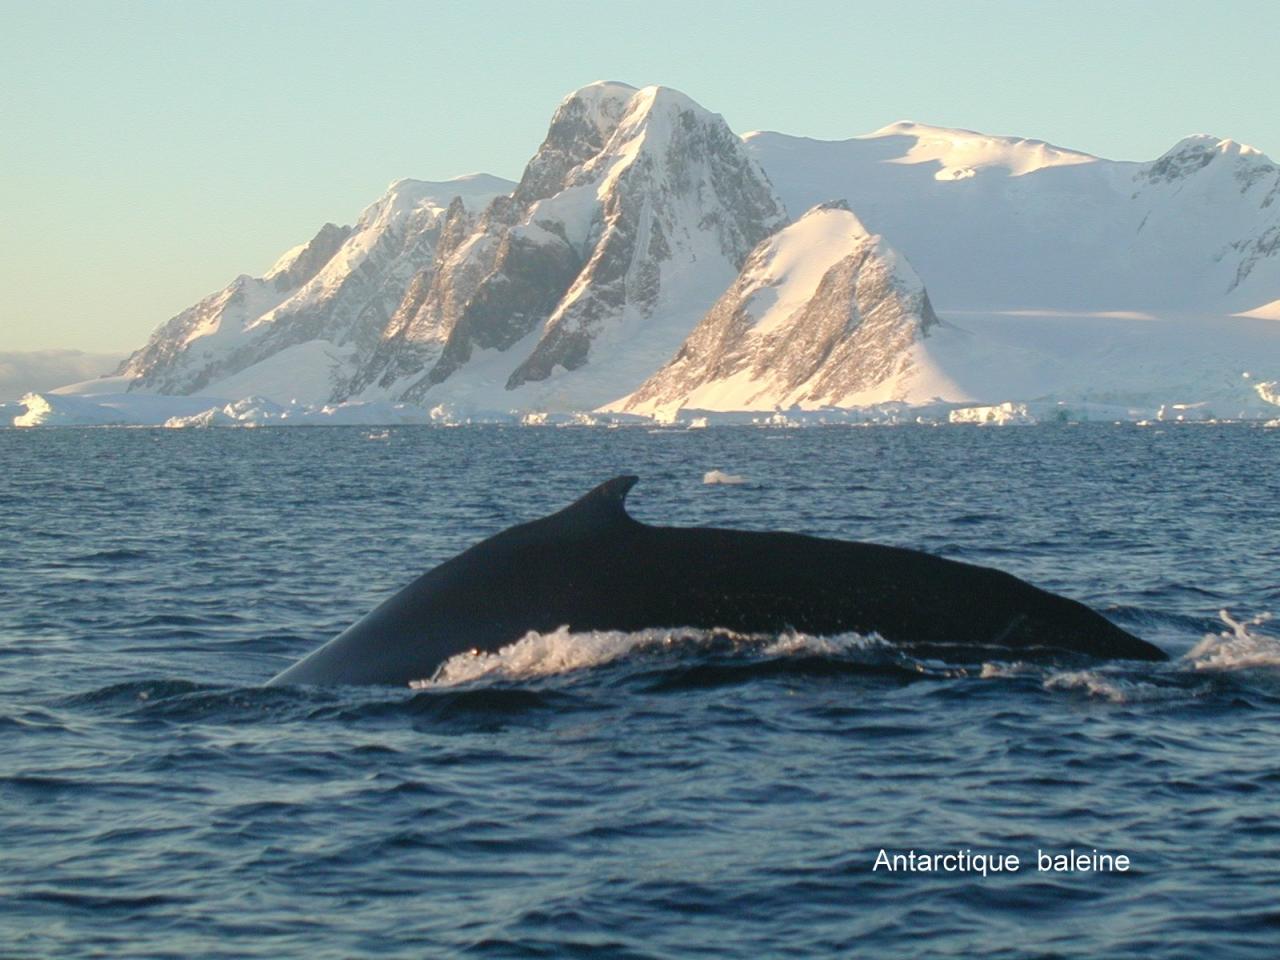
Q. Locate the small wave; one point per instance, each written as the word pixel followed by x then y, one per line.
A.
pixel 840 645
pixel 98 902
pixel 484 705
pixel 714 477
pixel 1100 685
pixel 1241 646
pixel 187 620
pixel 866 650
pixel 176 701
pixel 132 693
pixel 1144 620
pixel 723 671
pixel 109 556
pixel 1112 683
pixel 40 785
pixel 997 670
pixel 974 519
pixel 236 705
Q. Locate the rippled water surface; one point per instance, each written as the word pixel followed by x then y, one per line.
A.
pixel 667 794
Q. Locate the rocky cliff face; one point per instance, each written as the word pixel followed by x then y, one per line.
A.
pixel 638 208
pixel 340 291
pixel 822 314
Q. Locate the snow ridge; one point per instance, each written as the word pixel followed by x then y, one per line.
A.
pixel 1000 223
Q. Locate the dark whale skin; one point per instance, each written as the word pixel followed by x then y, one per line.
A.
pixel 593 567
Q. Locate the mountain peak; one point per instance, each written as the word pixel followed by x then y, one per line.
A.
pixel 1194 153
pixel 599 104
pixel 672 188
pixel 1208 142
pixel 840 204
pixel 823 313
pixel 658 97
pixel 600 90
pixel 581 126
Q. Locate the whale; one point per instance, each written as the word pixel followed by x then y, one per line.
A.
pixel 591 566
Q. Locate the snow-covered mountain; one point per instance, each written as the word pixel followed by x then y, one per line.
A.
pixel 325 303
pixel 630 219
pixel 823 314
pixel 638 258
pixel 633 216
pixel 999 223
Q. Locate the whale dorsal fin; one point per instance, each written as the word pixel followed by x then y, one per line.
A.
pixel 604 506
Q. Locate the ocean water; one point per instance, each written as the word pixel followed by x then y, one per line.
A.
pixel 669 794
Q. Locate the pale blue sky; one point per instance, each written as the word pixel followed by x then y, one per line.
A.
pixel 151 151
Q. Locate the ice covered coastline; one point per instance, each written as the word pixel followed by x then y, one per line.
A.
pixel 149 410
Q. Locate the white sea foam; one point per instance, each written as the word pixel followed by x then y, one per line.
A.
pixel 720 477
pixel 1240 646
pixel 839 645
pixel 1101 685
pixel 996 669
pixel 563 651
pixel 541 654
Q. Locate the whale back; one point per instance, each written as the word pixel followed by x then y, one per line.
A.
pixel 591 566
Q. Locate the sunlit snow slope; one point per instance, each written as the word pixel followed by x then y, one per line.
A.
pixel 997 223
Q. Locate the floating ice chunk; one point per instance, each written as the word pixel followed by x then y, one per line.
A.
pixel 213 417
pixel 720 477
pixel 134 409
pixel 1269 391
pixel 1001 414
pixel 46 410
pixel 358 413
pixel 1183 412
